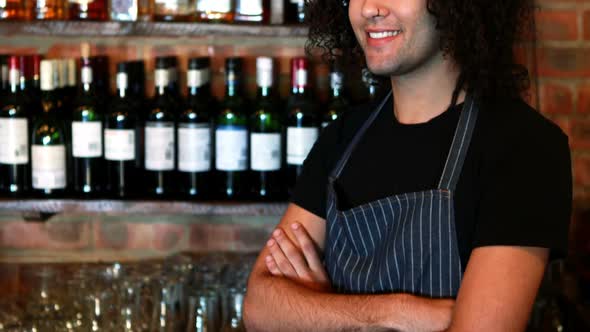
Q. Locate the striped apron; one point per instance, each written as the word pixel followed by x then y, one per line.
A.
pixel 404 243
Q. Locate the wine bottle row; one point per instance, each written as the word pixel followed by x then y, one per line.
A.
pixel 55 142
pixel 219 11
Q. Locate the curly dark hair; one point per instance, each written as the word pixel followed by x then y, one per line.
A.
pixel 480 35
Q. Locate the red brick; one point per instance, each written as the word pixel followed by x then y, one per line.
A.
pixel 582 170
pixel 119 235
pixel 584 98
pixel 557 24
pixel 587 25
pixel 25 235
pixel 564 62
pixel 169 236
pixel 218 237
pixel 580 134
pixel 556 98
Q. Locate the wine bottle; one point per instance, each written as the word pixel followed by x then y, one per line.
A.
pixel 48 150
pixel 194 134
pixel 87 144
pixel 294 11
pixel 302 120
pixel 265 137
pixel 231 136
pixel 120 139
pixel 338 102
pixel 160 152
pixel 14 137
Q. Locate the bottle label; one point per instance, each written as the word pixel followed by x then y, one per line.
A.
pixel 198 77
pixel 85 75
pixel 14 141
pixel 161 77
pixel 159 146
pixel 49 166
pixel 194 147
pixel 336 80
pixel 218 6
pixel 119 144
pixel 87 139
pixel 231 148
pixel 301 77
pixel 249 7
pixel 265 151
pixel 122 6
pixel 122 81
pixel 299 143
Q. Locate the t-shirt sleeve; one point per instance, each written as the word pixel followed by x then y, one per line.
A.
pixel 310 191
pixel 526 196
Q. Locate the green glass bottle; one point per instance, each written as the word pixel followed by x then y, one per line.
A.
pixel 303 121
pixel 87 136
pixel 266 138
pixel 231 136
pixel 48 150
pixel 194 134
pixel 338 102
pixel 14 137
pixel 159 129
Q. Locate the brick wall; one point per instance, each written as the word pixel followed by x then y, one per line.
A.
pixel 560 64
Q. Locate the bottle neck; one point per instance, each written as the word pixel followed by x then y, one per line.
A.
pixel 298 90
pixel 196 91
pixel 87 86
pixel 233 87
pixel 14 82
pixel 265 91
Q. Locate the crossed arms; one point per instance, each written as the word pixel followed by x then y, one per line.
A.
pixel 289 290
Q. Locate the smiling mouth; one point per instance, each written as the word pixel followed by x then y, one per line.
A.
pixel 384 34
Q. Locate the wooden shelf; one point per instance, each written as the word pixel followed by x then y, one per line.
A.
pixel 58 206
pixel 156 29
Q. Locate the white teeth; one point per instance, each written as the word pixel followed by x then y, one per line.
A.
pixel 384 34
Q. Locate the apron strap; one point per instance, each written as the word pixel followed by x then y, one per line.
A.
pixel 344 159
pixel 460 145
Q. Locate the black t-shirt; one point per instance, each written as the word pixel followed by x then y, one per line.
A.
pixel 515 187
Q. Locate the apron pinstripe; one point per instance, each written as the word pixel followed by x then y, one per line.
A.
pixel 403 243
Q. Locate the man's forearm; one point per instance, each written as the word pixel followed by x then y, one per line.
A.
pixel 279 304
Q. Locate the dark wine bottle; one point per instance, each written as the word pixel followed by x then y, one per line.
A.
pixel 194 134
pixel 231 136
pixel 48 150
pixel 265 137
pixel 302 120
pixel 120 138
pixel 294 11
pixel 87 144
pixel 338 102
pixel 160 152
pixel 14 137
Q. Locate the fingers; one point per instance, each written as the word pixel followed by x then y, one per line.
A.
pixel 308 247
pixel 293 254
pixel 280 259
pixel 272 266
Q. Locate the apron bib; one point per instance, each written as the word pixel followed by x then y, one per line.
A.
pixel 403 243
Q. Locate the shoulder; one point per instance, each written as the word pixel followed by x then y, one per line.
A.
pixel 511 124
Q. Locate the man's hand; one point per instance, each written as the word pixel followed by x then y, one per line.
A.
pixel 300 262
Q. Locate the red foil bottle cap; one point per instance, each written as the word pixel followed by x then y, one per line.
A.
pixel 14 62
pixel 299 70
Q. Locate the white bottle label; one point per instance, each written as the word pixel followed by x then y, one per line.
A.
pixel 198 77
pixel 265 151
pixel 14 141
pixel 194 147
pixel 219 6
pixel 231 150
pixel 49 166
pixel 159 146
pixel 119 144
pixel 87 139
pixel 249 7
pixel 299 143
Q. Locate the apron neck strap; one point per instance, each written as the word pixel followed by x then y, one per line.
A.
pixel 344 159
pixel 460 145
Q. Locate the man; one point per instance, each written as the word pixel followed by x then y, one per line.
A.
pixel 413 215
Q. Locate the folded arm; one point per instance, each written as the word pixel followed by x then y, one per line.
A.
pixel 285 304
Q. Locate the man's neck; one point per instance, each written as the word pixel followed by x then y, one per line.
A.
pixel 426 92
